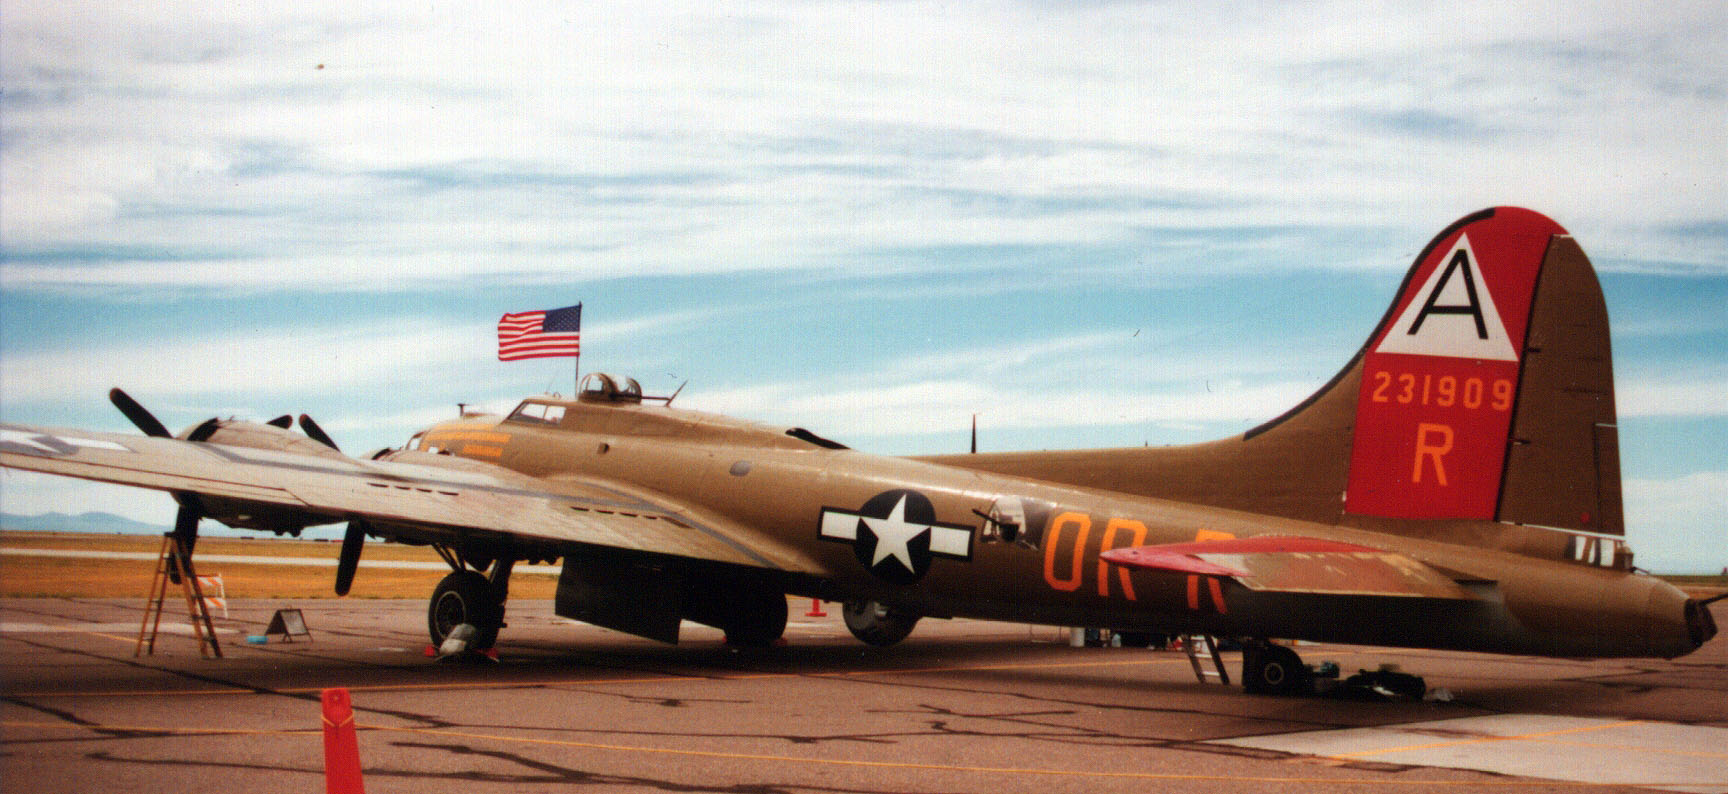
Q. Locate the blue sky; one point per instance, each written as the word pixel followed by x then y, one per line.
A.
pixel 1101 224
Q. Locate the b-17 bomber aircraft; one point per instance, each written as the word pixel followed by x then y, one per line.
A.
pixel 1455 486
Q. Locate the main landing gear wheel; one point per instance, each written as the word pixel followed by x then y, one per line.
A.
pixel 465 597
pixel 757 619
pixel 1269 669
pixel 876 624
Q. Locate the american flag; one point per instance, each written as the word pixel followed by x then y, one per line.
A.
pixel 542 334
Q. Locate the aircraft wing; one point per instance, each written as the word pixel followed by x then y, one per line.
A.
pixel 416 494
pixel 1295 564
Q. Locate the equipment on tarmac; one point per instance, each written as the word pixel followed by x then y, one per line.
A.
pixel 174 565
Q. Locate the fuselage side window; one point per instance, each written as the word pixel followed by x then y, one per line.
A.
pixel 1603 552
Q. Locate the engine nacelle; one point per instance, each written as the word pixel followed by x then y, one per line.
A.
pixel 256 435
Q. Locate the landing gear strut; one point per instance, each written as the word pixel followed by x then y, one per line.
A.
pixel 1269 669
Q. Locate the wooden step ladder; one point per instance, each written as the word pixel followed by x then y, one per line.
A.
pixel 176 559
pixel 1197 644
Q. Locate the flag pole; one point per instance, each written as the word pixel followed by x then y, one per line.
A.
pixel 576 385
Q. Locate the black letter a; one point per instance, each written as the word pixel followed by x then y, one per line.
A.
pixel 1460 263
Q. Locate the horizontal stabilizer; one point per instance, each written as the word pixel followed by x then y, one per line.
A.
pixel 1294 564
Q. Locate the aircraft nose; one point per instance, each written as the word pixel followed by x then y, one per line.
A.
pixel 1700 625
pixel 1676 625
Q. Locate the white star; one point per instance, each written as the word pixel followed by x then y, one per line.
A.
pixel 30 441
pixel 892 534
pixel 42 443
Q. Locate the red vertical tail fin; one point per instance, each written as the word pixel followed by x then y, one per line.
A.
pixel 1487 392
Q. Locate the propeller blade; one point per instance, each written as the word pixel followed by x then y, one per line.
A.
pixel 137 413
pixel 204 431
pixel 349 560
pixel 283 421
pixel 316 433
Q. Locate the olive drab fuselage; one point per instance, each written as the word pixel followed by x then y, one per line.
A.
pixel 1045 566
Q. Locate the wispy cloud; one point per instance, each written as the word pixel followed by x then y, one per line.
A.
pixel 261 363
pixel 674 139
pixel 870 219
pixel 903 411
pixel 1055 386
pixel 1671 525
pixel 1696 394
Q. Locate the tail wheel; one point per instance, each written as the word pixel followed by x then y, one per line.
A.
pixel 465 597
pixel 876 624
pixel 1273 670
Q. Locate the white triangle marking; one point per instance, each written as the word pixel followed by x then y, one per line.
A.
pixel 1446 324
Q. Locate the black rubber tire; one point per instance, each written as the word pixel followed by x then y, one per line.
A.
pixel 1269 669
pixel 877 625
pixel 465 597
pixel 757 620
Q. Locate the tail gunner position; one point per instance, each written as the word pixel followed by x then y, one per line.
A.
pixel 1456 485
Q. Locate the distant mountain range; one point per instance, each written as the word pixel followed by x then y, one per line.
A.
pixel 92 522
pixel 98 523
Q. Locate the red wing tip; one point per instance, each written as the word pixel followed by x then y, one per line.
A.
pixel 1263 544
pixel 1160 558
pixel 1181 557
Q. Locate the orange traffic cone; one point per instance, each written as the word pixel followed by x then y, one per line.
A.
pixel 341 747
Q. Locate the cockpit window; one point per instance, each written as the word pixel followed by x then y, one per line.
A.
pixel 537 413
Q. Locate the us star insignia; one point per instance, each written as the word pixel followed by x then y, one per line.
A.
pixel 40 444
pixel 896 535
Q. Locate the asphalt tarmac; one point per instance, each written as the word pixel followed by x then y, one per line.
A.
pixel 961 706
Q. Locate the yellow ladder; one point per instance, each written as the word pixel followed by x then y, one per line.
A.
pixel 175 559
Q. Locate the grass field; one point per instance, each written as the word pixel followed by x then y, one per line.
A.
pixel 39 577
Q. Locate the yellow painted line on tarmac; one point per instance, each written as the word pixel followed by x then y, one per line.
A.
pixel 1484 740
pixel 1540 737
pixel 128 640
pixel 131 640
pixel 1640 749
pixel 173 730
pixel 805 760
pixel 982 770
pixel 464 685
pixel 838 762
